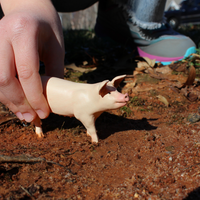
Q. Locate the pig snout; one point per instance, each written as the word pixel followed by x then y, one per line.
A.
pixel 126 97
pixel 123 97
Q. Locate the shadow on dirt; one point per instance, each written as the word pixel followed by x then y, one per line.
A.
pixel 106 125
pixel 7 174
pixel 194 195
pixel 28 192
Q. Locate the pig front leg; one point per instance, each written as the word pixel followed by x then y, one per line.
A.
pixel 89 123
pixel 91 131
pixel 38 128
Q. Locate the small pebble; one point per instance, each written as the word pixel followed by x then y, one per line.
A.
pixel 170 149
pixel 193 131
pixel 192 118
pixel 170 159
pixel 67 175
pixel 136 195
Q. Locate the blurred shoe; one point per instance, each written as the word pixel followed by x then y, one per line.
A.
pixel 163 44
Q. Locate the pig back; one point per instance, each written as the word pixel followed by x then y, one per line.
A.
pixel 65 97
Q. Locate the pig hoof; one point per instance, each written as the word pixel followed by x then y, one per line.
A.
pixel 38 131
pixel 94 139
pixel 40 135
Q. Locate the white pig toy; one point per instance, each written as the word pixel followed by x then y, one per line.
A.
pixel 84 101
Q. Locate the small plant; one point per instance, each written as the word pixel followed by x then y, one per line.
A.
pixel 76 131
pixel 61 128
pixel 136 101
pixel 126 111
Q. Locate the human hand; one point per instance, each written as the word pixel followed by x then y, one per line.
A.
pixel 30 31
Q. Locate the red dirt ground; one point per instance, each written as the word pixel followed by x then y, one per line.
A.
pixel 147 150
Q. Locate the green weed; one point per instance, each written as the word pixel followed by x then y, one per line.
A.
pixel 126 111
pixel 136 101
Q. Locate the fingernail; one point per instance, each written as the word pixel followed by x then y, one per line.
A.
pixel 19 115
pixel 28 117
pixel 40 114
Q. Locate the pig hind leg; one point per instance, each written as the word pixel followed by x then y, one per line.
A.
pixel 38 128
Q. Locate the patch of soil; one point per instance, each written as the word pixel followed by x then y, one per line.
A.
pixel 146 150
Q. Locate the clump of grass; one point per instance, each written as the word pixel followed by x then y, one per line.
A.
pixel 126 111
pixel 137 101
pixel 73 76
pixel 175 119
pixel 141 78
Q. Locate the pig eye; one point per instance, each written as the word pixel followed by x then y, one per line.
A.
pixel 109 92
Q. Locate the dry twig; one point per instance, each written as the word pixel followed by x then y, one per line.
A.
pixel 27 192
pixel 28 159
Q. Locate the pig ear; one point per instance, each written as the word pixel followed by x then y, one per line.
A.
pixel 103 90
pixel 117 80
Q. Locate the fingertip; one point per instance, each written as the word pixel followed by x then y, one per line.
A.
pixel 28 117
pixel 42 114
pixel 19 115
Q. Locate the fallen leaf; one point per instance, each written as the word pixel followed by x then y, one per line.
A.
pixel 174 89
pixel 131 84
pixel 80 69
pixel 192 97
pixel 164 70
pixel 139 88
pixel 85 62
pixel 179 68
pixel 163 100
pixel 135 73
pixel 144 63
pixel 5 119
pixel 155 75
pixel 159 64
pixel 4 111
pixel 5 114
pixel 141 66
pixel 184 91
pixel 150 61
pixel 191 77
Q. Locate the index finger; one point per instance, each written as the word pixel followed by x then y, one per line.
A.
pixel 27 65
